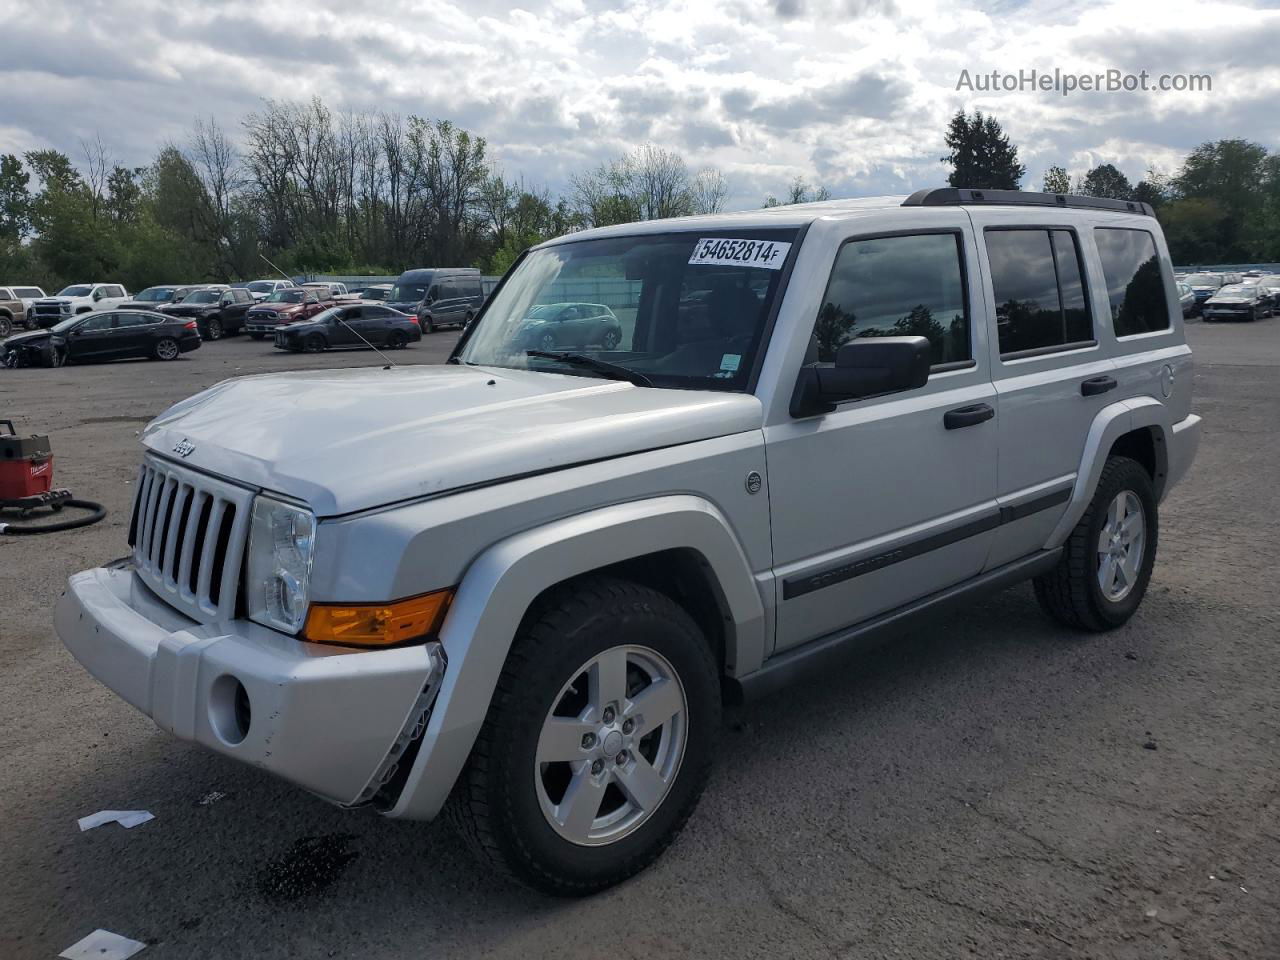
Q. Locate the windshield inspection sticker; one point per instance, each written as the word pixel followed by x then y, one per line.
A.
pixel 766 254
pixel 730 361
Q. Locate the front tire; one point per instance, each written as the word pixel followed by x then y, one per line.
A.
pixel 598 741
pixel 1106 563
pixel 258 336
pixel 314 343
pixel 6 326
pixel 214 326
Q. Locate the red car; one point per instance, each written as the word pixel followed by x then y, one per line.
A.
pixel 284 306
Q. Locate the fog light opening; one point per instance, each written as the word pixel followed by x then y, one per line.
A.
pixel 230 712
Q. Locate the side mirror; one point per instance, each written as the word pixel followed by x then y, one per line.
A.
pixel 98 294
pixel 866 367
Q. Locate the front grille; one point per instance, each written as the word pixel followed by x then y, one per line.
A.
pixel 188 533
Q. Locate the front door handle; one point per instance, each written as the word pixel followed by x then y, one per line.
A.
pixel 1096 385
pixel 968 416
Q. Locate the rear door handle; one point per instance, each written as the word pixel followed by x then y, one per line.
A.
pixel 968 416
pixel 1096 385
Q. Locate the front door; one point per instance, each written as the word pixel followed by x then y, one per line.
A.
pixel 888 499
pixel 92 339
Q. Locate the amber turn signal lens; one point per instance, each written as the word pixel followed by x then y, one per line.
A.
pixel 377 624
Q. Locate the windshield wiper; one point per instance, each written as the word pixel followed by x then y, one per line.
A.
pixel 611 370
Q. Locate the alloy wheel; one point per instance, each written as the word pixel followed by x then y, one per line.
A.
pixel 1121 545
pixel 611 745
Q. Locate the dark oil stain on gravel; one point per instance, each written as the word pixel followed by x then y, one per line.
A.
pixel 118 419
pixel 310 867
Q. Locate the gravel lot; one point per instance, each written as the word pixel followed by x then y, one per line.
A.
pixel 997 787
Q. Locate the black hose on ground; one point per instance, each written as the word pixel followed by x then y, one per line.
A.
pixel 96 512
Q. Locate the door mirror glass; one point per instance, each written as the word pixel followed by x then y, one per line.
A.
pixel 867 367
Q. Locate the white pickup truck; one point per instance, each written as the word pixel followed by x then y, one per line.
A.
pixel 75 299
pixel 518 586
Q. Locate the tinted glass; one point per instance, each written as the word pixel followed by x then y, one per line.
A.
pixel 1040 296
pixel 135 320
pixel 6 294
pixel 1135 286
pixel 408 292
pixel 28 292
pixel 97 323
pixel 891 287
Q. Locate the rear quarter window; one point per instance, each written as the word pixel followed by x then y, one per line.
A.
pixel 1134 278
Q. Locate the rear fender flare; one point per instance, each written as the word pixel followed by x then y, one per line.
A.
pixel 503 581
pixel 1111 423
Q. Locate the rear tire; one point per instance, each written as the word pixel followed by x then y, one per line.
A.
pixel 166 348
pixel 607 656
pixel 1100 550
pixel 427 325
pixel 396 340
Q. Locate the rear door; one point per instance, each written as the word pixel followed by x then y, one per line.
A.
pixel 1051 372
pixel 887 499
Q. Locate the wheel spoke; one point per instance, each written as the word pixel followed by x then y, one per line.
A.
pixel 1131 525
pixel 1107 574
pixel 577 810
pixel 1129 567
pixel 561 739
pixel 609 679
pixel 1113 516
pixel 656 704
pixel 642 784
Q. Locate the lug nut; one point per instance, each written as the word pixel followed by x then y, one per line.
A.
pixel 621 758
pixel 588 741
pixel 597 766
pixel 628 726
pixel 608 714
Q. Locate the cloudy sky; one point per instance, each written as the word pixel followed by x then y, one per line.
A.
pixel 853 94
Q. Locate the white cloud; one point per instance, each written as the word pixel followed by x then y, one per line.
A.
pixel 853 94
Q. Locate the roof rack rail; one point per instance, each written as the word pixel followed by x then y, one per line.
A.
pixel 956 196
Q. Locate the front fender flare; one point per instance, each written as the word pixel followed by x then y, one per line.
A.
pixel 1112 422
pixel 503 581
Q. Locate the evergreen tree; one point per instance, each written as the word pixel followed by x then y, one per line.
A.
pixel 981 157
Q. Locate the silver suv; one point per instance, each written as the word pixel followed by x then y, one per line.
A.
pixel 816 426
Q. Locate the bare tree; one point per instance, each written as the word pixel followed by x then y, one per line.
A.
pixel 708 191
pixel 98 167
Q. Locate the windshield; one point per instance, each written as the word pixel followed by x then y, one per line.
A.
pixel 27 293
pixel 285 296
pixel 62 326
pixel 204 296
pixel 1203 280
pixel 375 293
pixel 684 309
pixel 155 295
pixel 408 292
pixel 1237 290
pixel 261 286
pixel 79 290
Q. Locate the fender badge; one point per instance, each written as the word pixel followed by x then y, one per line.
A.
pixel 184 448
pixel 754 482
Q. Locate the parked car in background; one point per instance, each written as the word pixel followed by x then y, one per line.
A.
pixel 13 312
pixel 376 291
pixel 1238 301
pixel 350 326
pixel 28 296
pixel 78 298
pixel 152 298
pixel 1204 285
pixel 1186 298
pixel 411 287
pixel 553 326
pixel 104 335
pixel 451 301
pixel 1270 284
pixel 217 312
pixel 284 306
pixel 327 288
pixel 261 289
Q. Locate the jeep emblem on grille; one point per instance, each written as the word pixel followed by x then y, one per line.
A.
pixel 184 448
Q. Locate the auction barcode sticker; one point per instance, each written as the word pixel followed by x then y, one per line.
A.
pixel 766 254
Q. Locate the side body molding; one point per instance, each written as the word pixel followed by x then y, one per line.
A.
pixel 499 586
pixel 1111 423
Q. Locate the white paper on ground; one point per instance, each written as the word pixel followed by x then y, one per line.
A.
pixel 126 818
pixel 102 945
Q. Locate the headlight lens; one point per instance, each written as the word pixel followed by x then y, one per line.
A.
pixel 282 541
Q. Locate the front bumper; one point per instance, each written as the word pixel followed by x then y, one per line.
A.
pixel 269 326
pixel 333 721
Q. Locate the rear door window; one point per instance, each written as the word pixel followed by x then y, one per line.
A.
pixel 888 287
pixel 1135 282
pixel 1042 303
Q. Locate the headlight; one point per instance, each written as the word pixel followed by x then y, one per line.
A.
pixel 282 541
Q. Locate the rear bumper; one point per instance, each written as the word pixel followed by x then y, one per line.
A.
pixel 327 719
pixel 1182 447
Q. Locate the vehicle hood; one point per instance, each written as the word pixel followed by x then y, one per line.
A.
pixel 281 308
pixel 348 440
pixel 20 339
